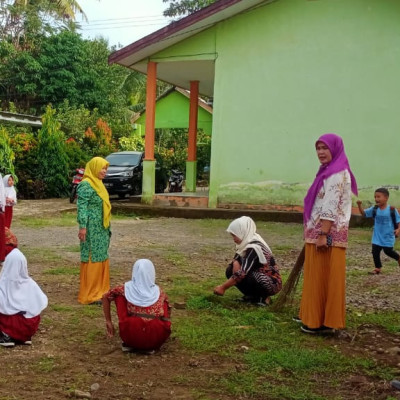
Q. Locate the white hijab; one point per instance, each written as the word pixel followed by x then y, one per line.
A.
pixel 19 292
pixel 9 190
pixel 142 290
pixel 2 195
pixel 245 229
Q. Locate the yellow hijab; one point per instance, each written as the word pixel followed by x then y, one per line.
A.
pixel 91 175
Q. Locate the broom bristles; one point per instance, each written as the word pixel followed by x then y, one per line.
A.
pixel 289 288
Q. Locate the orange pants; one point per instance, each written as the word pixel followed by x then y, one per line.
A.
pixel 323 301
pixel 94 281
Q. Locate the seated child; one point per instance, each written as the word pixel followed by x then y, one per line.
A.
pixel 386 228
pixel 253 270
pixel 21 300
pixel 142 308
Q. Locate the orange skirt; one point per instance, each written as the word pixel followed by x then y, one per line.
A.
pixel 94 281
pixel 323 300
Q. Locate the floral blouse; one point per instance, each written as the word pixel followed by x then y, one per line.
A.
pixel 332 203
pixel 90 216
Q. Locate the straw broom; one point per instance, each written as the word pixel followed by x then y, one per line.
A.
pixel 288 290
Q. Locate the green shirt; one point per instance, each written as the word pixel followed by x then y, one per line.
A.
pixel 90 216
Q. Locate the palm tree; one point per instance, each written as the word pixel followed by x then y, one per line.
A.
pixel 65 9
pixel 21 20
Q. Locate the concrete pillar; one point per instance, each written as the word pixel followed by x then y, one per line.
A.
pixel 149 178
pixel 191 163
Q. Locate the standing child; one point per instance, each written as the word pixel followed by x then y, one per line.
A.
pixel 11 199
pixel 2 230
pixel 386 228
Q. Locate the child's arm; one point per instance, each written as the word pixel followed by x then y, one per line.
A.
pixel 360 208
pixel 397 230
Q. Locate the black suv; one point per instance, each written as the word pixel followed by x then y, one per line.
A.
pixel 125 174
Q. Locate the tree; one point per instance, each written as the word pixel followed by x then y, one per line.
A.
pixel 6 153
pixel 23 21
pixel 178 8
pixel 52 156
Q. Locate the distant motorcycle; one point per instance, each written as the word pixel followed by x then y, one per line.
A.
pixel 75 182
pixel 175 181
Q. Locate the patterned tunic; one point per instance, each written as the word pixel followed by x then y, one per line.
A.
pixel 155 310
pixel 333 203
pixel 267 275
pixel 90 216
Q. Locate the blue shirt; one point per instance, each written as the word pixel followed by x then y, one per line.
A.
pixel 383 227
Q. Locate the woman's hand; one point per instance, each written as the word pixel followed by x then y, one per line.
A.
pixel 321 243
pixel 110 329
pixel 82 234
pixel 219 290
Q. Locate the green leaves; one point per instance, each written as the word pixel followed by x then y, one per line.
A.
pixel 185 7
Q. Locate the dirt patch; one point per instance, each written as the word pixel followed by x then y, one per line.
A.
pixel 64 359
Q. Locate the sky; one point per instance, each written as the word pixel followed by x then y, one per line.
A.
pixel 121 21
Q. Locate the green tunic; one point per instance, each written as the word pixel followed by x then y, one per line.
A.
pixel 90 216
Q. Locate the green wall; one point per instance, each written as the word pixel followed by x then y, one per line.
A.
pixel 172 111
pixel 292 70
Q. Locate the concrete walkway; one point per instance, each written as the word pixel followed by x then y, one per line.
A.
pixel 132 206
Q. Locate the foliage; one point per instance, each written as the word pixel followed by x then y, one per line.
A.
pixel 75 120
pixel 64 66
pixel 26 163
pixel 185 7
pixel 98 141
pixel 22 22
pixel 134 142
pixel 6 153
pixel 171 149
pixel 52 154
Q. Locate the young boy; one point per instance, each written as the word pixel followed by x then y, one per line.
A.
pixel 386 228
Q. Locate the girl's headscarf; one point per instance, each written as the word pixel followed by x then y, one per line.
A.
pixel 338 163
pixel 18 292
pixel 245 229
pixel 11 241
pixel 91 175
pixel 142 290
pixel 9 190
pixel 2 195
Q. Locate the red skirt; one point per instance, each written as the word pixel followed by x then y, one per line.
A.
pixel 18 327
pixel 139 333
pixel 2 238
pixel 8 214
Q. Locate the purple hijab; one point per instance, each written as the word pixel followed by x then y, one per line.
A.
pixel 339 163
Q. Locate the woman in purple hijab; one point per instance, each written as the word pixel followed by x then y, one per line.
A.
pixel 327 211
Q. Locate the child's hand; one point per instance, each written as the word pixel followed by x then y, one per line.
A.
pixel 396 232
pixel 359 202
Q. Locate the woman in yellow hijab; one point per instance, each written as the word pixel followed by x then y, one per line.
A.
pixel 94 214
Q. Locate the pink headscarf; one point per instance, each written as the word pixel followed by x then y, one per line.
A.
pixel 339 163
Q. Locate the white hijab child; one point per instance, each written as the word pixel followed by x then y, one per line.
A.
pixel 10 198
pixel 21 301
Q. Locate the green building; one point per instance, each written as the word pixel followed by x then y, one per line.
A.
pixel 281 73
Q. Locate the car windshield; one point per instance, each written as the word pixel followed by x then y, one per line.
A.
pixel 124 160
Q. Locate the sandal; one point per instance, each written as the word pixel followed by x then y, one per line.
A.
pixel 376 271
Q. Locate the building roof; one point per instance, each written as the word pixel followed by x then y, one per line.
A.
pixel 136 55
pixel 183 92
pixel 20 119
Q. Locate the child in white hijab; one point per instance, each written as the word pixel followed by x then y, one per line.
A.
pixel 11 198
pixel 2 220
pixel 21 301
pixel 253 269
pixel 143 310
